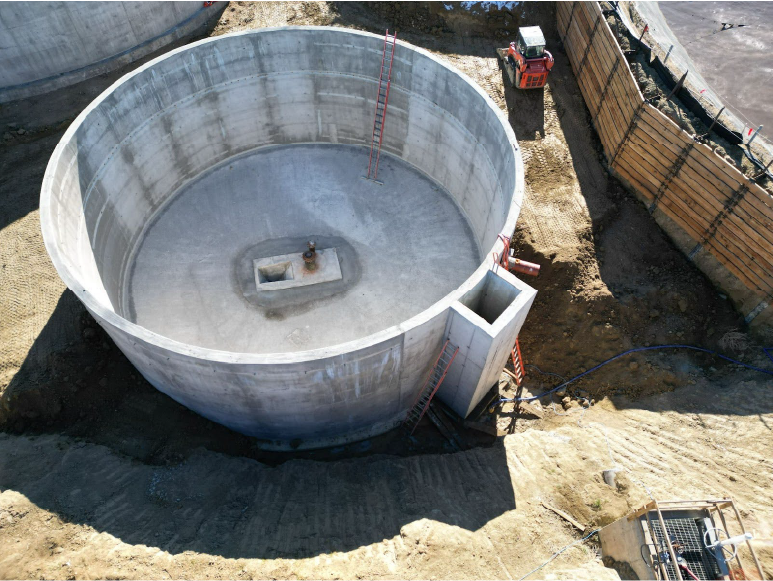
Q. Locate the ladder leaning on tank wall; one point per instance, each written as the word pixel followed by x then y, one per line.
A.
pixel 382 98
pixel 430 387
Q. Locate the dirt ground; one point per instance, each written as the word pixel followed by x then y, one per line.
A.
pixel 103 476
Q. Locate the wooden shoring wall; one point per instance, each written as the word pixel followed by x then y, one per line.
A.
pixel 723 220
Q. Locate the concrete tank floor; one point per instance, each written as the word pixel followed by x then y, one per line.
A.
pixel 412 246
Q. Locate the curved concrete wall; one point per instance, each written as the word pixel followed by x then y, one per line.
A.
pixel 47 45
pixel 173 118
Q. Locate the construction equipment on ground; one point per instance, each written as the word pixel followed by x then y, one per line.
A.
pixel 526 62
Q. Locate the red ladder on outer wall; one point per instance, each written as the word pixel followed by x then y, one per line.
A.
pixel 518 363
pixel 381 103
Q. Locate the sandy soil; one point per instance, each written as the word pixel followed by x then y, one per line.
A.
pixel 102 476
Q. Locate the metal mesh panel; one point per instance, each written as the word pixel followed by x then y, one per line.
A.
pixel 689 533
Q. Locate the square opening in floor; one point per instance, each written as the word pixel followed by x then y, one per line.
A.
pixel 275 272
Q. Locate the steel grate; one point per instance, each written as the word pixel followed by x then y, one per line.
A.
pixel 689 533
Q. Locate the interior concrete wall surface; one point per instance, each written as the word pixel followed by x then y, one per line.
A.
pixel 166 123
pixel 46 45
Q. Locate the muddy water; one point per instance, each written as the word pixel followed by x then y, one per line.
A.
pixel 736 62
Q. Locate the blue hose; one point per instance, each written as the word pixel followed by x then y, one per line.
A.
pixel 768 351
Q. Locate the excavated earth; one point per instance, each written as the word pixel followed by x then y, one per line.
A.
pixel 103 476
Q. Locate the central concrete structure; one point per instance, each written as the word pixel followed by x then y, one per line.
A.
pixel 178 204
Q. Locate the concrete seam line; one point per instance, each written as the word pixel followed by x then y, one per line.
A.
pixel 99 173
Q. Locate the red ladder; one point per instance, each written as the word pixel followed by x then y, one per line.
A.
pixel 381 103
pixel 518 363
pixel 436 377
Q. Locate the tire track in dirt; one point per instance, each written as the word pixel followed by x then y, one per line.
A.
pixel 414 516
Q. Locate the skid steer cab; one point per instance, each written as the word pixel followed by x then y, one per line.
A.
pixel 526 61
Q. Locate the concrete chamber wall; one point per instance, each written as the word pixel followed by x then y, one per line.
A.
pixel 158 128
pixel 48 45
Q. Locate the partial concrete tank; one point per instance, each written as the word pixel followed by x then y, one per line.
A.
pixel 178 204
pixel 49 45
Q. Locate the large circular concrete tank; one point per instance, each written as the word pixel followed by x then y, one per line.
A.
pixel 49 45
pixel 178 204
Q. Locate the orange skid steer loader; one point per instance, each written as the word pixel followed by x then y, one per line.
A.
pixel 526 62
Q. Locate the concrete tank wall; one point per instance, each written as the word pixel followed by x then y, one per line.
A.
pixel 173 118
pixel 47 45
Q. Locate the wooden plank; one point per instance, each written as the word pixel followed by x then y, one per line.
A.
pixel 684 216
pixel 685 184
pixel 649 183
pixel 607 126
pixel 578 48
pixel 564 516
pixel 713 168
pixel 632 176
pixel 745 276
pixel 732 247
pixel 596 72
pixel 644 509
pixel 691 171
pixel 609 50
pixel 639 160
pixel 758 269
pixel 447 434
pixel 605 53
pixel 572 44
pixel 668 138
pixel 750 275
pixel 719 170
pixel 753 256
pixel 601 54
pixel 640 144
pixel 563 10
pixel 760 206
pixel 485 428
pixel 665 133
pixel 687 173
pixel 703 208
pixel 609 131
pixel 652 163
pixel 614 121
pixel 621 106
pixel 742 227
pixel 758 223
pixel 525 408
